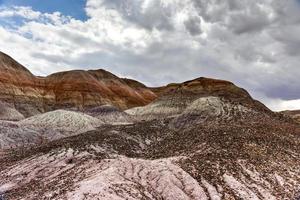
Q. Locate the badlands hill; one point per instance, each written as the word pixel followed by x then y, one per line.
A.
pixel 295 114
pixel 32 95
pixel 203 139
pixel 200 95
pixel 244 156
pixel 45 127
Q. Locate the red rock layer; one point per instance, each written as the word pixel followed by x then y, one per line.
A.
pixel 202 87
pixel 80 89
pixel 84 89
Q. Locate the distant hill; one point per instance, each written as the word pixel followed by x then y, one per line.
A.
pixel 79 89
pixel 295 114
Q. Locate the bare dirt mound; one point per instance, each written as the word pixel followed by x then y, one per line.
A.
pixel 62 121
pixel 9 113
pixel 44 128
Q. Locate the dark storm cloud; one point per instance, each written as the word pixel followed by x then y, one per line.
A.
pixel 239 16
pixel 247 23
pixel 193 25
pixel 152 16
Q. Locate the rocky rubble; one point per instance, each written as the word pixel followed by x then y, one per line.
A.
pixel 149 160
pixel 295 114
pixel 110 114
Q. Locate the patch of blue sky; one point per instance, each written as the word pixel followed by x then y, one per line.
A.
pixel 73 8
pixel 11 22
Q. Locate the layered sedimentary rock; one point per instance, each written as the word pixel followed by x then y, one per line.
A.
pixel 196 96
pixel 79 89
pixel 19 87
pixel 201 139
pixel 94 87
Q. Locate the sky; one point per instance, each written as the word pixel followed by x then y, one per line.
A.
pixel 254 44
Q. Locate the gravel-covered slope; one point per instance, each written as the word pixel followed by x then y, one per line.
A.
pixel 9 113
pixel 13 135
pixel 110 114
pixel 202 139
pixel 45 127
pixel 62 121
pixel 153 160
pixel 295 114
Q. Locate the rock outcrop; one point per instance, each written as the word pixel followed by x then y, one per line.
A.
pixel 19 87
pixel 79 89
pixel 199 96
pixel 86 89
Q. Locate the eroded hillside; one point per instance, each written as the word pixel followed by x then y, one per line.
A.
pixel 201 139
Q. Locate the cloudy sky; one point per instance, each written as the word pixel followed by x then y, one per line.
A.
pixel 255 44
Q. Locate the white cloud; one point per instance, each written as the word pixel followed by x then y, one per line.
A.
pixel 252 43
pixel 25 12
pixel 280 105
